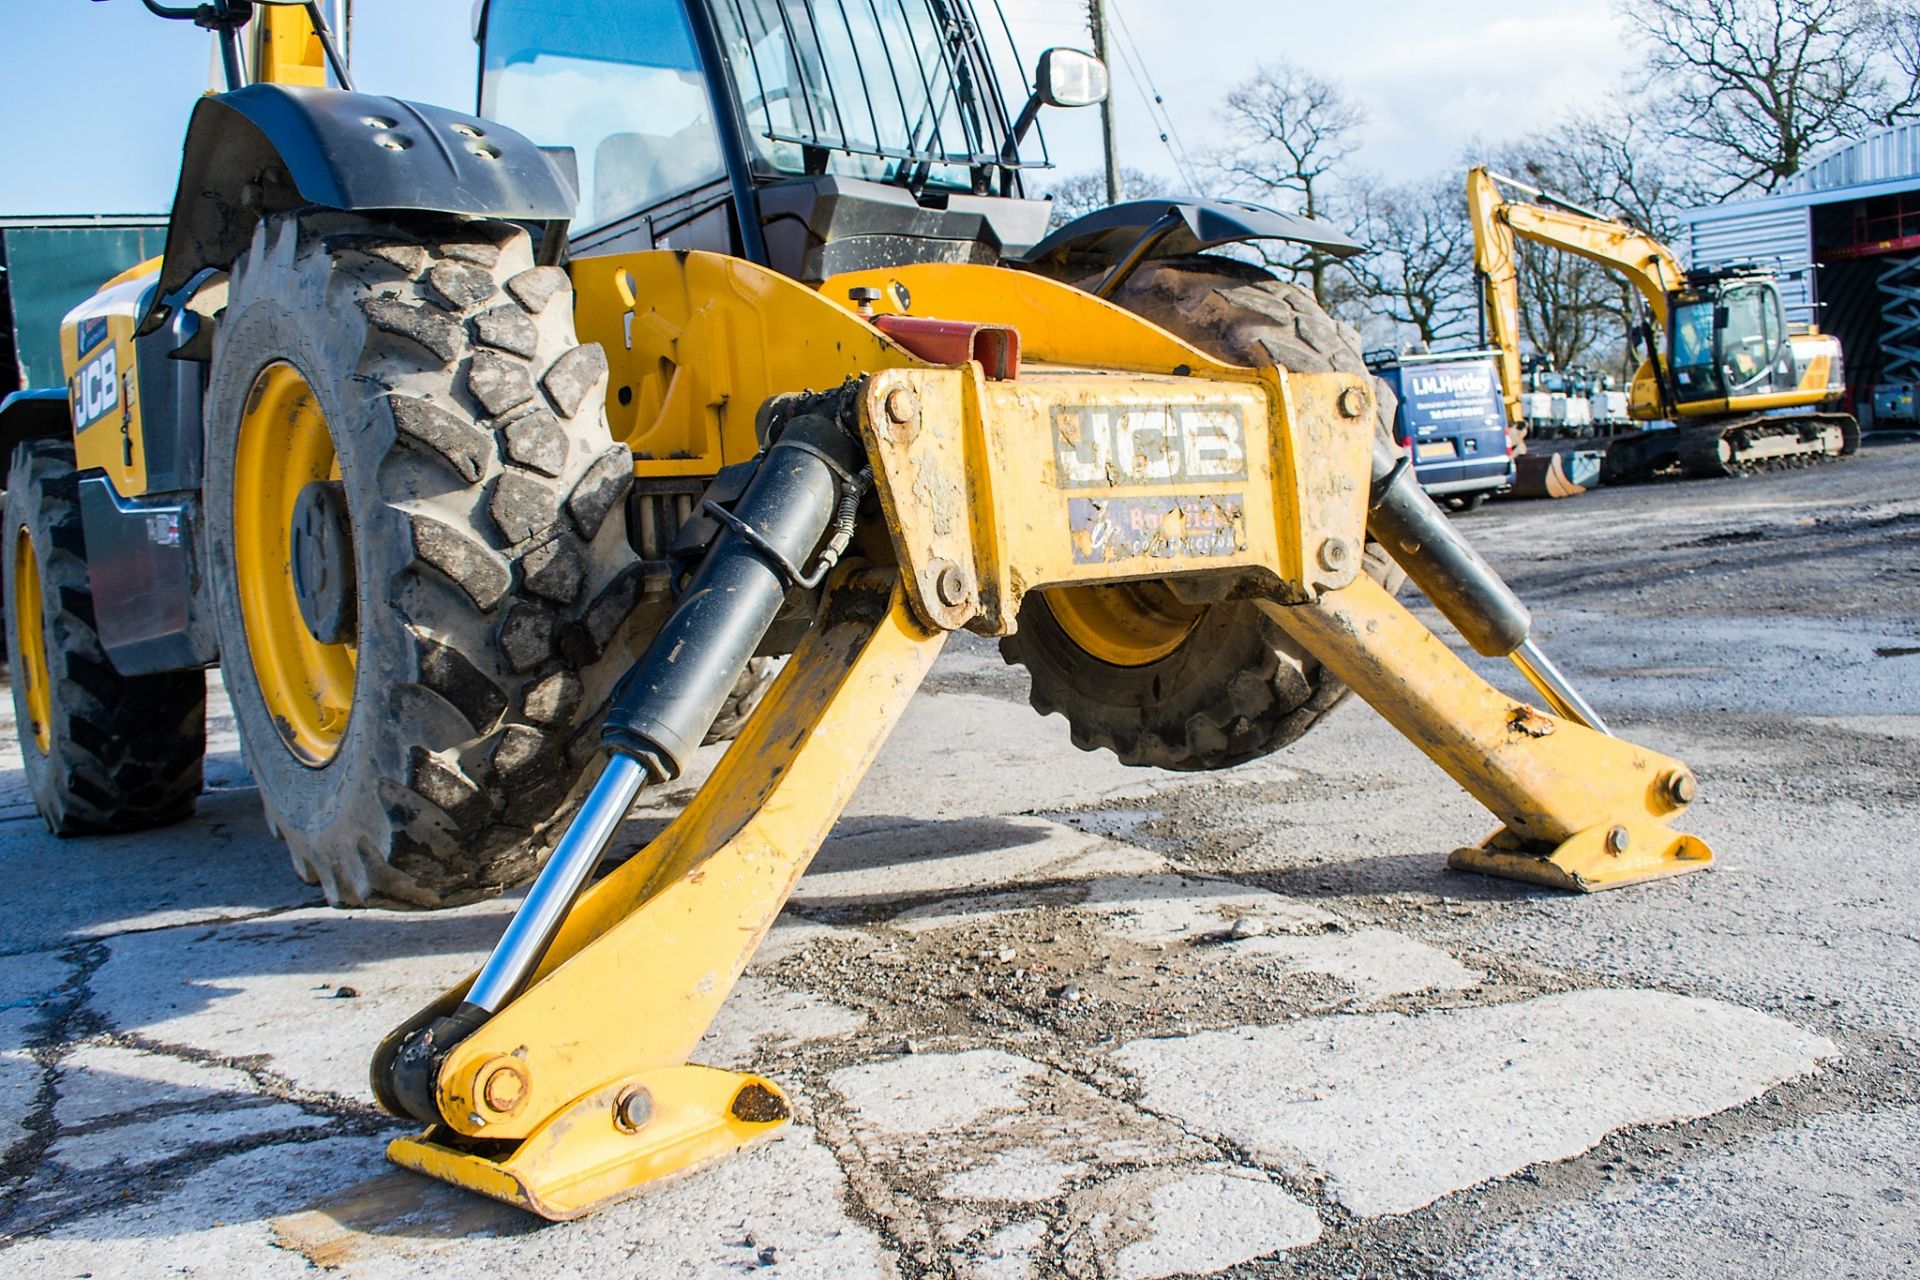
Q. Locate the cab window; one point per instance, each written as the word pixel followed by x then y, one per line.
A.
pixel 1748 340
pixel 620 84
pixel 1694 373
pixel 865 90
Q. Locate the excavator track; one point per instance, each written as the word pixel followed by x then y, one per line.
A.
pixel 1733 447
pixel 1765 443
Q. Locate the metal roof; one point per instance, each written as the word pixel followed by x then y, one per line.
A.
pixel 1881 164
pixel 1885 156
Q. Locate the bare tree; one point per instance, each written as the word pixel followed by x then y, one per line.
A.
pixel 1083 193
pixel 1754 87
pixel 1417 272
pixel 1613 162
pixel 1289 130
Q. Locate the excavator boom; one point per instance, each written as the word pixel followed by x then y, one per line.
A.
pixel 1647 264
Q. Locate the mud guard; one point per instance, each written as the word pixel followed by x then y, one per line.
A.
pixel 1178 227
pixel 271 147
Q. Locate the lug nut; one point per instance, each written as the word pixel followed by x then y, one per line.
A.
pixel 1353 402
pixel 1617 840
pixel 632 1110
pixel 1681 787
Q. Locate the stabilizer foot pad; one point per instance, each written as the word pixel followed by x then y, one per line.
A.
pixel 613 1142
pixel 1590 860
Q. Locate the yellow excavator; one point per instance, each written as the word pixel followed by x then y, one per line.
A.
pixel 486 452
pixel 1741 386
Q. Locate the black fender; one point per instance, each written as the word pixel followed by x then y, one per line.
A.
pixel 35 414
pixel 271 147
pixel 1138 230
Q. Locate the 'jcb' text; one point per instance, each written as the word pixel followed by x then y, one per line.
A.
pixel 1105 446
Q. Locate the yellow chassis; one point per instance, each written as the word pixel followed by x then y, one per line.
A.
pixel 579 1091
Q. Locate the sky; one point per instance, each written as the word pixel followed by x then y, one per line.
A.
pixel 100 90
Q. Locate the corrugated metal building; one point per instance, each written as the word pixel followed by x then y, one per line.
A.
pixel 1845 234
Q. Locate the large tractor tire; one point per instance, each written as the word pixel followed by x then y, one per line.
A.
pixel 102 752
pixel 1133 669
pixel 417 538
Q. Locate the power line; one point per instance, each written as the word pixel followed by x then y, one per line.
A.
pixel 1156 105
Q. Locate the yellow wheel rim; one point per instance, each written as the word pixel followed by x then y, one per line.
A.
pixel 30 664
pixel 1129 624
pixel 284 446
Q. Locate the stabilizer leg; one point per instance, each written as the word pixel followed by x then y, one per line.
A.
pixel 1582 810
pixel 578 1091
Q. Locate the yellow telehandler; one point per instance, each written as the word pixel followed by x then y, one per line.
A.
pixel 474 583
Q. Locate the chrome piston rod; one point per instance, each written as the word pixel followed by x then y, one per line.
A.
pixel 559 883
pixel 1554 687
pixel 1462 585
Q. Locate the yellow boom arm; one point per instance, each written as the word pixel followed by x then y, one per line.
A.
pixel 1648 265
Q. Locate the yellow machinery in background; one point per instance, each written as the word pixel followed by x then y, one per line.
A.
pixel 1739 384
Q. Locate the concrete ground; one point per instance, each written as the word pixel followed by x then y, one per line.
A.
pixel 1042 1015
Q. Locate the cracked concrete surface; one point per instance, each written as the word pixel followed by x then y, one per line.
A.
pixel 1041 1015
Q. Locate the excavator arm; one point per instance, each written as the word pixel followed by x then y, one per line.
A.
pixel 1647 264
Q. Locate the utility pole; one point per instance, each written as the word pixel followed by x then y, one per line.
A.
pixel 1097 19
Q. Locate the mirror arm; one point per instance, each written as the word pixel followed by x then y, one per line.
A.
pixel 1010 150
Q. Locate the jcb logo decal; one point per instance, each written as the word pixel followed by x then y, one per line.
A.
pixel 1100 446
pixel 96 389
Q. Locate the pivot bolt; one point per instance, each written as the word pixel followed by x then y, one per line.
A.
pixel 1681 787
pixel 952 585
pixel 505 1089
pixel 902 405
pixel 323 572
pixel 1617 840
pixel 632 1110
pixel 1352 402
pixel 1335 554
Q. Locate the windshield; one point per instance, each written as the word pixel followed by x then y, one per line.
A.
pixel 620 84
pixel 882 89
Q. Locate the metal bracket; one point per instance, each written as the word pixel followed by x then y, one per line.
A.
pixel 542 1103
pixel 1582 810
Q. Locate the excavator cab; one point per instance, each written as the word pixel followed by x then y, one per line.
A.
pixel 1728 338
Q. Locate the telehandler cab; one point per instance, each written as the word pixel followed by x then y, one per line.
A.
pixel 344 439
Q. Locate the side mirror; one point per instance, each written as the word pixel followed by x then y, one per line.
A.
pixel 1070 78
pixel 1064 78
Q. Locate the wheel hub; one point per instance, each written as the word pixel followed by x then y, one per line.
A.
pixel 293 564
pixel 323 579
pixel 30 664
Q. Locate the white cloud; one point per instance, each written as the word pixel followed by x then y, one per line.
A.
pixel 1435 75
